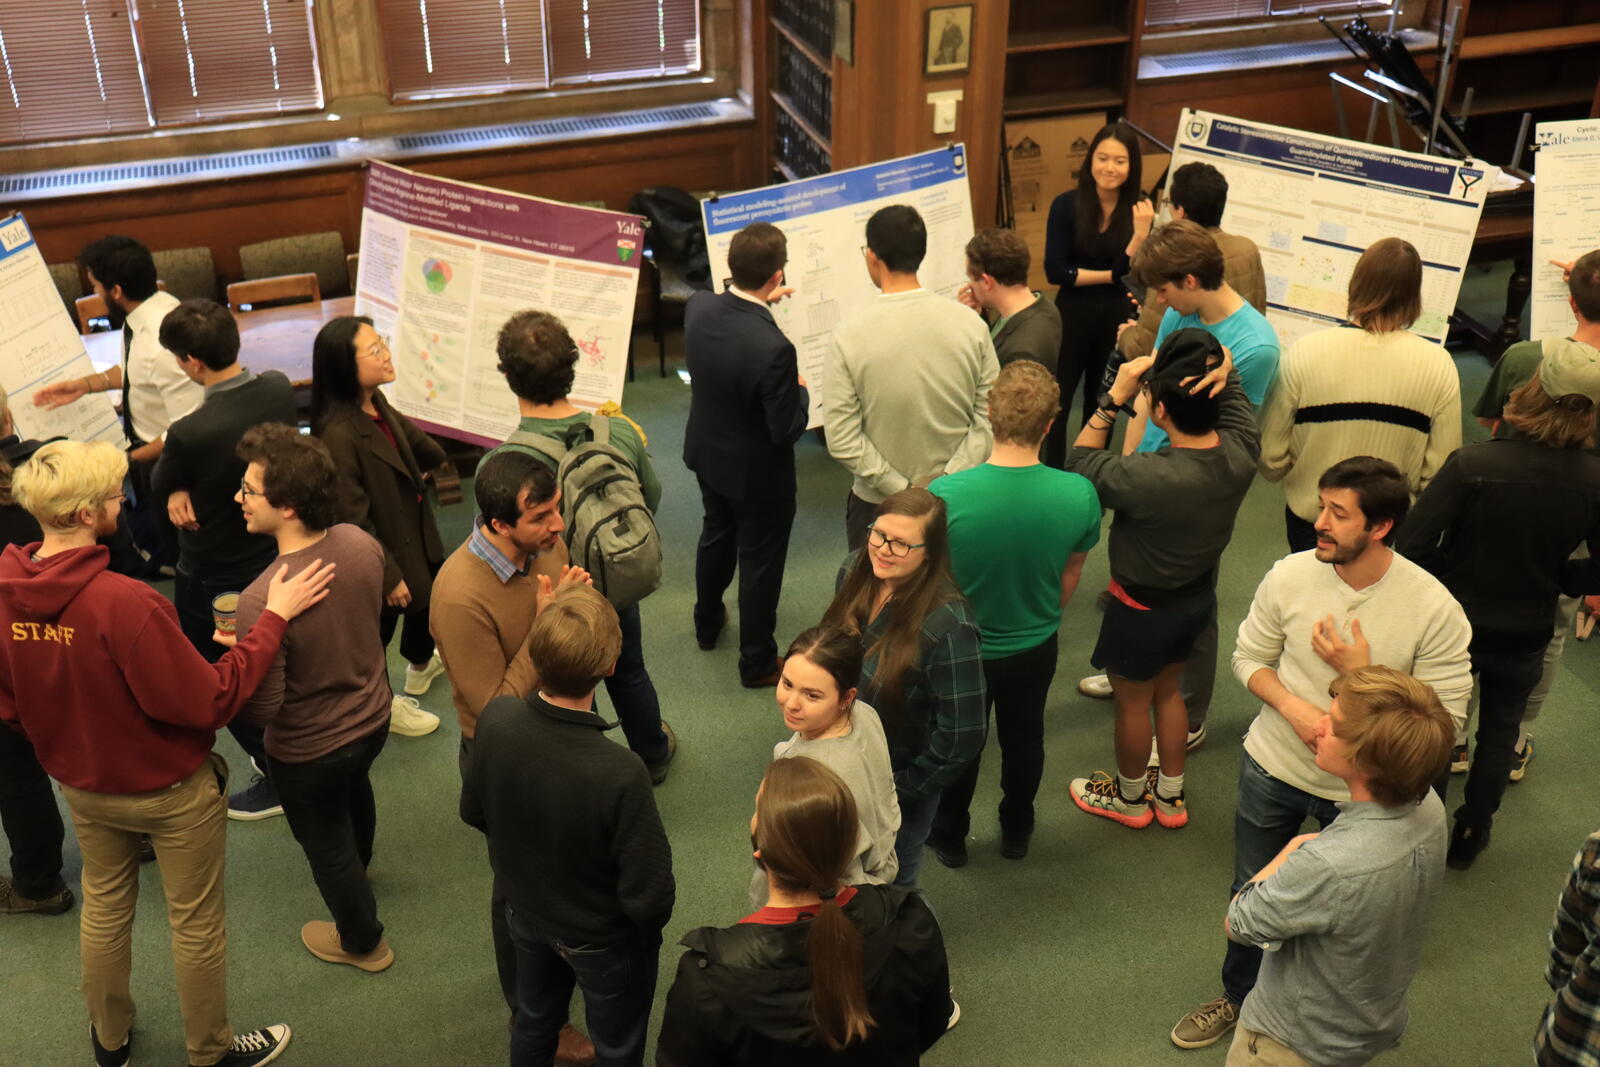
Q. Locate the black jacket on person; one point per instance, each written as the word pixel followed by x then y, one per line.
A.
pixel 17 527
pixel 742 994
pixel 574 834
pixel 201 456
pixel 1497 524
pixel 746 406
pixel 381 490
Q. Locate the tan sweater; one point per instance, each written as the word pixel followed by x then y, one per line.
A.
pixel 481 627
pixel 1344 392
pixel 1241 269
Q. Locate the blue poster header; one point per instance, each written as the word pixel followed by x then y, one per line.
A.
pixel 809 196
pixel 1386 167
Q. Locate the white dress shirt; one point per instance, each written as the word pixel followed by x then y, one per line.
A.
pixel 159 393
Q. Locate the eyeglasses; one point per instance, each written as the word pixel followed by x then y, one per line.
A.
pixel 895 548
pixel 246 491
pixel 115 498
pixel 377 350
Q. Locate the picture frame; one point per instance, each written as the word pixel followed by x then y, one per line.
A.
pixel 948 45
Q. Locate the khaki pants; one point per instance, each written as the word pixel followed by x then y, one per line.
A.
pixel 187 823
pixel 1251 1048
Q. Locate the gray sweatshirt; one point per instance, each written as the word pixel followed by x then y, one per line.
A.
pixel 906 397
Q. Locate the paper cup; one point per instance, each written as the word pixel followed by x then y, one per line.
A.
pixel 224 609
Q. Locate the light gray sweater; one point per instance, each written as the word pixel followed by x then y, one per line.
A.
pixel 861 758
pixel 1410 621
pixel 906 397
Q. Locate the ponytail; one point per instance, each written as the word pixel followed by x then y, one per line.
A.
pixel 806 831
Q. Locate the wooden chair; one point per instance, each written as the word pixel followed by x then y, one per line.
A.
pixel 91 307
pixel 285 288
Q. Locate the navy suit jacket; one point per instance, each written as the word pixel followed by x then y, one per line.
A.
pixel 747 407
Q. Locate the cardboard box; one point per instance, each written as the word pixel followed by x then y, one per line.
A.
pixel 1044 157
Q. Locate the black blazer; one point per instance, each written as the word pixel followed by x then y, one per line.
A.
pixel 381 490
pixel 747 406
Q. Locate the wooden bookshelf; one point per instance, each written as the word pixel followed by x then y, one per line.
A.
pixel 1520 42
pixel 809 130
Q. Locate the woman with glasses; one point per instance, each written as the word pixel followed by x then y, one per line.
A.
pixel 924 659
pixel 381 458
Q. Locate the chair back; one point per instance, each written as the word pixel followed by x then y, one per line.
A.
pixel 283 289
pixel 189 273
pixel 352 263
pixel 321 254
pixel 88 308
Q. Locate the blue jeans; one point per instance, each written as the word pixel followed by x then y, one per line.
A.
pixel 1268 815
pixel 618 984
pixel 633 694
pixel 916 821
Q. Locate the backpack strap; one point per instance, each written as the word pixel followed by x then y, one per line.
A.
pixel 601 425
pixel 556 450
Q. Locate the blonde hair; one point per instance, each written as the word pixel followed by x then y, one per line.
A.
pixel 1556 421
pixel 575 641
pixel 1399 734
pixel 1385 293
pixel 1022 401
pixel 65 477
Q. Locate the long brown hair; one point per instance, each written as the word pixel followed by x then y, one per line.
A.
pixel 1556 421
pixel 931 585
pixel 806 829
pixel 1120 225
pixel 1386 287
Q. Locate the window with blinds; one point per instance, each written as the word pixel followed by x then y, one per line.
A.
pixel 1190 12
pixel 440 48
pixel 87 68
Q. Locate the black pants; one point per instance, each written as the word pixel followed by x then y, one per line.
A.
pixel 328 802
pixel 31 820
pixel 505 952
pixel 1302 534
pixel 752 535
pixel 1505 678
pixel 192 596
pixel 1017 686
pixel 858 516
pixel 1089 321
pixel 416 643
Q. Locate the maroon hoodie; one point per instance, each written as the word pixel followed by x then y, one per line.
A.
pixel 97 674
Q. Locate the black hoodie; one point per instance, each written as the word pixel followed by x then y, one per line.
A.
pixel 742 994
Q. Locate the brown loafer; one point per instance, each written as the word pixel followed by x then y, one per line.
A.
pixel 574 1048
pixel 766 681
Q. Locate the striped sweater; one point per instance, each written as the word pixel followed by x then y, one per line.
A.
pixel 1344 392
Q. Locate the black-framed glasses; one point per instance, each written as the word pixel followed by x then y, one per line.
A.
pixel 877 539
pixel 246 491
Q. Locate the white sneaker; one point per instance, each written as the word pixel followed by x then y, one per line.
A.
pixel 407 717
pixel 955 1013
pixel 1096 685
pixel 1195 739
pixel 417 682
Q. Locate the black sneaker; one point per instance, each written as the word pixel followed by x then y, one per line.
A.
pixel 1015 846
pixel 658 769
pixel 110 1057
pixel 259 801
pixel 952 852
pixel 256 1048
pixel 1465 844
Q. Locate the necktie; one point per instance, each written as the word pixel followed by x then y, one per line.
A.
pixel 127 412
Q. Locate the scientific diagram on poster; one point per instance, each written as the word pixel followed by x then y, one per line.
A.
pixel 1566 216
pixel 42 346
pixel 824 219
pixel 444 264
pixel 1313 204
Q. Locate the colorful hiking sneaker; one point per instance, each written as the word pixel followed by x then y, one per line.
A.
pixel 1099 795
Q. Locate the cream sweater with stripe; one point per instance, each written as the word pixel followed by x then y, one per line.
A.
pixel 1345 392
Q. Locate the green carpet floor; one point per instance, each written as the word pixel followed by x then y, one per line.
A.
pixel 1086 952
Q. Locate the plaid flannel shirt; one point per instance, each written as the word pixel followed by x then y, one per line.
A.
pixel 943 715
pixel 1569 1033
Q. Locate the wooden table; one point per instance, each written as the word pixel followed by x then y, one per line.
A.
pixel 1508 236
pixel 273 339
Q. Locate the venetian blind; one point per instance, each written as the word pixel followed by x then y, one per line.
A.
pixel 218 59
pixel 462 47
pixel 604 40
pixel 1170 12
pixel 68 68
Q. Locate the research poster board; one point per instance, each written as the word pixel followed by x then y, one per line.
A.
pixel 1313 203
pixel 1566 216
pixel 1043 157
pixel 42 346
pixel 445 263
pixel 824 219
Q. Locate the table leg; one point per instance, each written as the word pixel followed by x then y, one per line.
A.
pixel 1517 291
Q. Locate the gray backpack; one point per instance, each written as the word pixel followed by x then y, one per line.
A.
pixel 610 532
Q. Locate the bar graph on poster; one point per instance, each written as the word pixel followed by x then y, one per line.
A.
pixel 824 219
pixel 42 346
pixel 444 264
pixel 1313 203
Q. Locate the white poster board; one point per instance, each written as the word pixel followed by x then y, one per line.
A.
pixel 41 345
pixel 1313 203
pixel 445 263
pixel 824 219
pixel 1566 216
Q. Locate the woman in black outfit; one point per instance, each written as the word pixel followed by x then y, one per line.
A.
pixel 826 973
pixel 1093 232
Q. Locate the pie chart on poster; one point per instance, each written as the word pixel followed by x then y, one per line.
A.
pixel 436 274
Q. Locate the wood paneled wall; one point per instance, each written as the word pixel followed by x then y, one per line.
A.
pixel 224 215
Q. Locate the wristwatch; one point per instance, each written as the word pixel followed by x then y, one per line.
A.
pixel 1107 402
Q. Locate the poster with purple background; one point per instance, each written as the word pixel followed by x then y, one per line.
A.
pixel 445 263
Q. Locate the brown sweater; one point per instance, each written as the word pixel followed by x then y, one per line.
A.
pixel 329 684
pixel 481 626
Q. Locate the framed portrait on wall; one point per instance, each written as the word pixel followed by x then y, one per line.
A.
pixel 949 43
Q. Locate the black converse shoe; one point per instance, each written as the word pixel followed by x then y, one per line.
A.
pixel 256 1048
